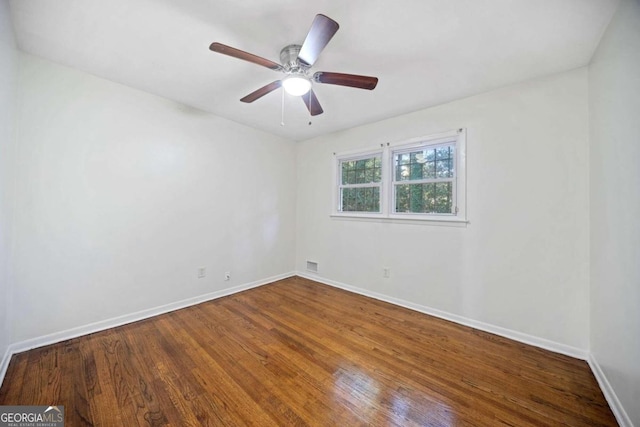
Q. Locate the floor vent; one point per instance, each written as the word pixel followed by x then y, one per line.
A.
pixel 312 266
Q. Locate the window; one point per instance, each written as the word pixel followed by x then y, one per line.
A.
pixel 422 178
pixel 359 183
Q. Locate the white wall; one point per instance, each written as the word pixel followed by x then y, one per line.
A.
pixel 614 99
pixel 122 195
pixel 8 73
pixel 522 262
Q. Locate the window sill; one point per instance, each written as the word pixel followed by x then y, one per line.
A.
pixel 401 219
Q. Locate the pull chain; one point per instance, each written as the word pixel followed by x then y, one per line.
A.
pixel 282 117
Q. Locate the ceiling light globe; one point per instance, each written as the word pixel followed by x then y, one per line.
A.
pixel 296 85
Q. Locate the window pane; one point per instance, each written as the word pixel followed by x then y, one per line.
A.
pixel 416 201
pixel 377 173
pixel 416 171
pixel 402 172
pixel 427 163
pixel 363 171
pixel 443 197
pixel 402 198
pixel 368 175
pixel 363 199
pixel 429 197
pixel 445 162
pixel 435 197
pixel 377 170
pixel 347 199
pixel 348 172
pixel 430 169
pixel 431 155
pixel 443 152
pixel 443 169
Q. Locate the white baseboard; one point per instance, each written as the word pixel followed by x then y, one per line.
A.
pixel 4 363
pixel 497 330
pixel 91 328
pixel 614 403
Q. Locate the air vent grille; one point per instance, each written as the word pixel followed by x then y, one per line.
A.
pixel 312 266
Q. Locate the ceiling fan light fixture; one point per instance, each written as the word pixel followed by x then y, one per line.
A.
pixel 295 62
pixel 296 85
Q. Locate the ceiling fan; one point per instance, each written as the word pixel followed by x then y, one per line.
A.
pixel 296 62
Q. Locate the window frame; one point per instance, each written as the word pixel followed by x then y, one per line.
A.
pixel 354 156
pixel 388 182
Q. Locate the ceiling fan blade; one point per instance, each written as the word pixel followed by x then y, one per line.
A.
pixel 351 80
pixel 321 31
pixel 262 91
pixel 246 56
pixel 312 103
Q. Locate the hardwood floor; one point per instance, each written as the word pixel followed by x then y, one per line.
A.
pixel 296 352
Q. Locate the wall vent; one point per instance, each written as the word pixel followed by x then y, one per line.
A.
pixel 312 266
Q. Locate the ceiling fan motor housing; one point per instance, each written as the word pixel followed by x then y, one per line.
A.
pixel 289 59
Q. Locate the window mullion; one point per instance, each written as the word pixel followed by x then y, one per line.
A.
pixel 372 184
pixel 424 181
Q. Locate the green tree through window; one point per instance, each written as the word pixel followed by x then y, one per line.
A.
pixel 360 184
pixel 423 180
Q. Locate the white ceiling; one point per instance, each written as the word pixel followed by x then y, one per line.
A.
pixel 425 52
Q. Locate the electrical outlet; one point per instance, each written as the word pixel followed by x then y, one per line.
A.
pixel 386 272
pixel 227 275
pixel 202 272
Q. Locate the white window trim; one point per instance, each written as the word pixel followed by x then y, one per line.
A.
pixel 387 184
pixel 356 155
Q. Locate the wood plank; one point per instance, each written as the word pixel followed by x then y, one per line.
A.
pixel 297 352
